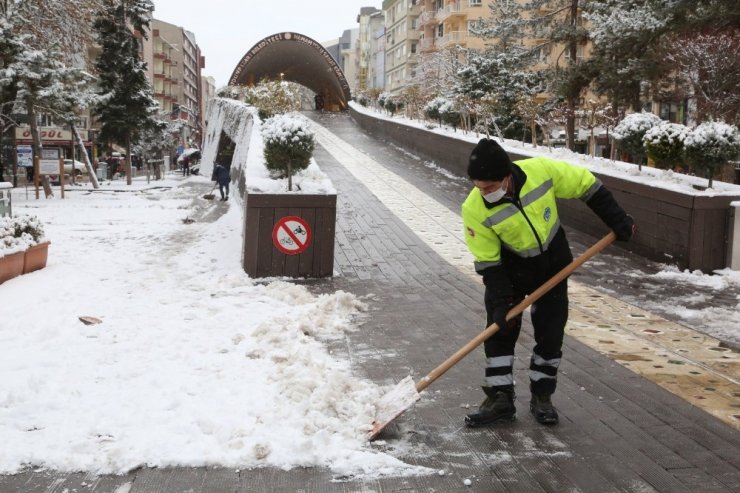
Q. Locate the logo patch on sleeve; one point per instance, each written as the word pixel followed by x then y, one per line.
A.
pixel 547 214
pixel 471 231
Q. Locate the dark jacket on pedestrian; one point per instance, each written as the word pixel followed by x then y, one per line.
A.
pixel 221 175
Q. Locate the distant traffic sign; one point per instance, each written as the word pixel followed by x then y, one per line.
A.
pixel 291 235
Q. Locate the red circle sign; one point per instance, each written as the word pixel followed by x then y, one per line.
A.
pixel 291 235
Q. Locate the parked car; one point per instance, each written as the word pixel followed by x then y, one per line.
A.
pixel 79 168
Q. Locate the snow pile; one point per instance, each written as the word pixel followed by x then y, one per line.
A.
pixel 194 364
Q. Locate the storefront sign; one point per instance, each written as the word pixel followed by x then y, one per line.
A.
pixel 48 134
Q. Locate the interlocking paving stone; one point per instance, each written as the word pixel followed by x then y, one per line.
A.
pixel 619 432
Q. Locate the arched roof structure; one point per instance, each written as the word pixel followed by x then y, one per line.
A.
pixel 297 58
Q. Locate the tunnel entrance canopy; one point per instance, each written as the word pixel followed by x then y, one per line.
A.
pixel 296 58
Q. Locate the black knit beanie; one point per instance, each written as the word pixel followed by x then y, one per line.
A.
pixel 489 162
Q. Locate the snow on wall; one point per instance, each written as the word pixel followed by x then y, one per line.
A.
pixel 236 120
pixel 241 123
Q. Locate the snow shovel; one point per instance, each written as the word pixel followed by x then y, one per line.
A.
pixel 406 393
pixel 211 195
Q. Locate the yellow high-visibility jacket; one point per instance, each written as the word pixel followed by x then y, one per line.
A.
pixel 526 224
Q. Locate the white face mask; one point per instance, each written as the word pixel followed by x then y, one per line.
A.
pixel 495 196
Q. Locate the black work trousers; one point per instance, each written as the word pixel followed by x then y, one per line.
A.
pixel 549 315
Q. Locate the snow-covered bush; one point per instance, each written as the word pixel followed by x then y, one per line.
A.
pixel 289 145
pixel 382 98
pixel 711 145
pixel 443 110
pixel 19 233
pixel 664 144
pixel 431 109
pixel 363 99
pixel 388 102
pixel 631 130
pixel 273 97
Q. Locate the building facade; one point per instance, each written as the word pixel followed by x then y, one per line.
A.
pixel 367 19
pixel 174 63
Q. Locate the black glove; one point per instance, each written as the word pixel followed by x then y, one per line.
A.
pixel 499 317
pixel 624 228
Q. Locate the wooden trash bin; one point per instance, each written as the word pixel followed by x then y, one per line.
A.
pixel 289 235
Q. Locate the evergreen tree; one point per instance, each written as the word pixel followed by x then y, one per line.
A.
pixel 500 76
pixel 556 26
pixel 127 105
pixel 41 63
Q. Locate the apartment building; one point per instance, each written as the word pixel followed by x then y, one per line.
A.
pixel 377 55
pixel 348 57
pixel 174 64
pixel 402 36
pixel 208 92
pixel 446 23
pixel 371 21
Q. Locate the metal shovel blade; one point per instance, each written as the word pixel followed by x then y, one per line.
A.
pixel 393 404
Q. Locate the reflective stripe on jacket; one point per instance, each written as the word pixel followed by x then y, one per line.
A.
pixel 526 224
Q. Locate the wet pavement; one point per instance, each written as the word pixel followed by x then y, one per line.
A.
pixel 619 431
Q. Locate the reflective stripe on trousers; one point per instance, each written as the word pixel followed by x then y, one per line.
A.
pixel 500 371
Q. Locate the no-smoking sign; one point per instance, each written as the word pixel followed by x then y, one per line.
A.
pixel 291 235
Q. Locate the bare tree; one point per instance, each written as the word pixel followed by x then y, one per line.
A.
pixel 710 65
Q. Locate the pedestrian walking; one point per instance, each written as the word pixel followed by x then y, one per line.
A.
pixel 221 176
pixel 186 165
pixel 513 230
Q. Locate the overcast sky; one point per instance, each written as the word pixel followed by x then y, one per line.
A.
pixel 226 29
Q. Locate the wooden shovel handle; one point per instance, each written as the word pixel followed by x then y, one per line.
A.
pixel 536 294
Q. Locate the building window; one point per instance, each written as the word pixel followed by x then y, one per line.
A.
pixel 673 112
pixel 475 3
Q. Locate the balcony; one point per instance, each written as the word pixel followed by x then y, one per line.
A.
pixel 426 17
pixel 426 45
pixel 415 9
pixel 452 10
pixel 453 38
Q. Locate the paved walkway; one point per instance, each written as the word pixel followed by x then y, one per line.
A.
pixel 619 431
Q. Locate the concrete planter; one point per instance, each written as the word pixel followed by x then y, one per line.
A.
pixel 289 235
pixel 35 257
pixel 11 266
pixel 690 231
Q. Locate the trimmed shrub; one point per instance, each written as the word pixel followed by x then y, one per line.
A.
pixel 289 145
pixel 664 144
pixel 711 145
pixel 631 130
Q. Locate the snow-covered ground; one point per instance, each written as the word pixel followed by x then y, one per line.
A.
pixel 194 363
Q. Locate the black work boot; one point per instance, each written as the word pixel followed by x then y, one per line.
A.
pixel 543 410
pixel 498 407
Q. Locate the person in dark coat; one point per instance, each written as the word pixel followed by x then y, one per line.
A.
pixel 221 176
